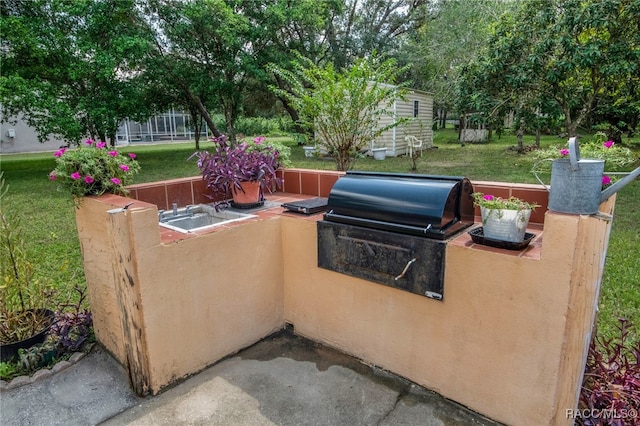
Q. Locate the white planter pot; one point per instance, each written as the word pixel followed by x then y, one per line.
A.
pixel 379 153
pixel 309 151
pixel 505 225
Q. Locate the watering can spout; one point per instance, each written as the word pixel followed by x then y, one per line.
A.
pixel 608 192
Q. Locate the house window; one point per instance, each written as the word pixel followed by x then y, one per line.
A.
pixel 416 108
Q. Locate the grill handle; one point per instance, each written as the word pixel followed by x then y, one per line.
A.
pixel 406 268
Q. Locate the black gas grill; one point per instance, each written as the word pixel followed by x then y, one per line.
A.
pixel 423 205
pixel 392 228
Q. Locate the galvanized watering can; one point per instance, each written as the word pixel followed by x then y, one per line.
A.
pixel 576 184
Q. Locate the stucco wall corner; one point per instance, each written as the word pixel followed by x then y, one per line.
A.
pixel 586 275
pixel 106 235
pixel 91 221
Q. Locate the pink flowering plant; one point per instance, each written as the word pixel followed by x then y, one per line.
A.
pixel 503 218
pixel 94 169
pixel 616 158
pixel 226 164
pixel 493 202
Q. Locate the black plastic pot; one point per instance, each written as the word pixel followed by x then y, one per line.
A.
pixel 9 351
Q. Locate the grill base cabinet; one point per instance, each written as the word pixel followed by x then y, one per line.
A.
pixel 414 264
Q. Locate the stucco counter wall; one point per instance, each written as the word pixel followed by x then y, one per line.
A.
pixel 508 340
pixel 169 310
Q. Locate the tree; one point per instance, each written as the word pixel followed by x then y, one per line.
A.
pixel 343 108
pixel 618 104
pixel 452 35
pixel 329 31
pixel 368 26
pixel 71 67
pixel 77 68
pixel 285 26
pixel 204 49
pixel 575 53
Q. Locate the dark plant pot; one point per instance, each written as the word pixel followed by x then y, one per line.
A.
pixel 10 351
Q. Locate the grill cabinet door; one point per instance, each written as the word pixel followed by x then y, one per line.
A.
pixel 405 262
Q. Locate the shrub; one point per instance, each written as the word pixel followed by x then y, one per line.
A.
pixel 23 298
pixel 343 107
pixel 228 165
pixel 263 126
pixel 93 169
pixel 71 330
pixel 611 386
pixel 72 325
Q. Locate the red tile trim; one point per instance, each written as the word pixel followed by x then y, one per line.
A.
pixel 319 183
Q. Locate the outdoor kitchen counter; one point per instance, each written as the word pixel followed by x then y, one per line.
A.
pixel 168 236
pixel 532 251
pixel 168 306
pixel 462 238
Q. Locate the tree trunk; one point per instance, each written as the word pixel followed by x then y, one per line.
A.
pixel 195 100
pixel 520 134
pixel 230 119
pixel 197 125
pixel 614 134
pixel 343 160
pixel 293 113
pixel 633 124
pixel 205 115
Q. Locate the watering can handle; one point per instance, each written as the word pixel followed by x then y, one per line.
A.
pixel 574 152
pixel 535 173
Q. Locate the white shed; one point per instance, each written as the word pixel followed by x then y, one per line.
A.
pixel 418 107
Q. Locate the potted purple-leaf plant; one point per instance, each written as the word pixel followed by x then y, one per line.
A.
pixel 241 171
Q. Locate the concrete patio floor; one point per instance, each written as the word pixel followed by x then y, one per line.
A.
pixel 282 380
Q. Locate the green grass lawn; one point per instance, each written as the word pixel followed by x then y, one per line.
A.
pixel 48 219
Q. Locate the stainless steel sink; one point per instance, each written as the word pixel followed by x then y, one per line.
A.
pixel 202 216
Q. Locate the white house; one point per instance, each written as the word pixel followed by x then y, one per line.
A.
pixel 418 107
pixel 173 126
pixel 18 136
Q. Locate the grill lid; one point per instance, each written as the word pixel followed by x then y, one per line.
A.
pixel 427 205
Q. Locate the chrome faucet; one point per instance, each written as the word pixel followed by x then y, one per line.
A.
pixel 175 213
